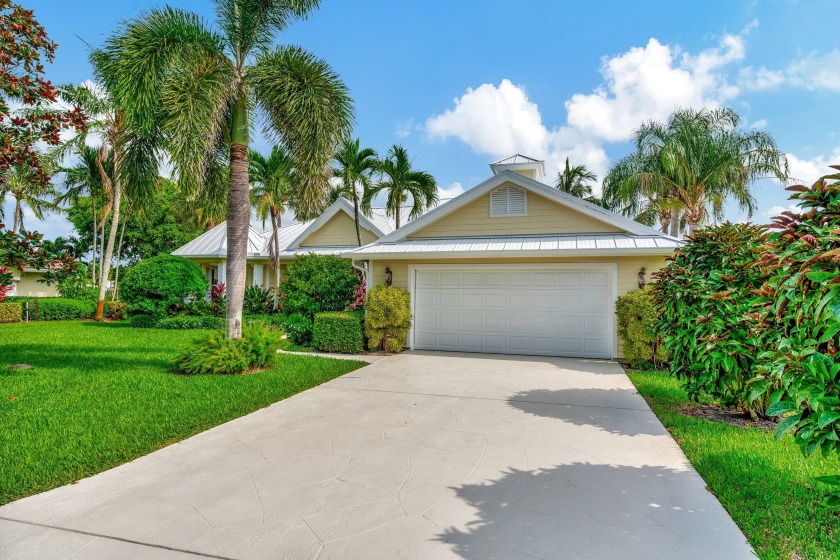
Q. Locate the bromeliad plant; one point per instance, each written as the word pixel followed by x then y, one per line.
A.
pixel 800 320
pixel 704 297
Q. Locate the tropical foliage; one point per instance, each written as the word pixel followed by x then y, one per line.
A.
pixel 317 283
pixel 704 298
pixel 198 90
pixel 684 170
pixel 215 354
pixel 339 331
pixel 577 180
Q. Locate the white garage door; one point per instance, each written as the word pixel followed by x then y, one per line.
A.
pixel 552 311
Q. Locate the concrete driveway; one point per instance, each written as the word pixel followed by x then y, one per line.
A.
pixel 423 455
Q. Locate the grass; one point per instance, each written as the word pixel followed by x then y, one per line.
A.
pixel 102 394
pixel 765 484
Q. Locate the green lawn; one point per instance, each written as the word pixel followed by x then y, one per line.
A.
pixel 102 394
pixel 764 484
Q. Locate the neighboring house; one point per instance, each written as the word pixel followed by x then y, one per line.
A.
pixel 333 232
pixel 517 267
pixel 26 284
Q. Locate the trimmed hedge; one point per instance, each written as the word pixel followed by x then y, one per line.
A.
pixel 143 321
pixel 11 312
pixel 388 318
pixel 339 331
pixel 318 283
pixel 61 309
pixel 182 322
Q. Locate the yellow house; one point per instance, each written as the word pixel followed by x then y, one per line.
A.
pixel 517 267
pixel 333 232
pixel 26 284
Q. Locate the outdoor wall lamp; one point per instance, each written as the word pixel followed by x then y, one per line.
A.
pixel 642 278
pixel 389 276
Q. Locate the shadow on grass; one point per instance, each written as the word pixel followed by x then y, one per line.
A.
pixel 584 510
pixel 617 411
pixel 85 357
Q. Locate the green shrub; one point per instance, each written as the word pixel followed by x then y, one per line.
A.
pixel 388 318
pixel 182 322
pixel 339 331
pixel 11 312
pixel 704 299
pixel 298 329
pixel 144 321
pixel 161 285
pixel 116 310
pixel 636 316
pixel 61 309
pixel 215 354
pixel 317 283
pixel 257 300
pixel 78 285
pixel 800 320
pixel 275 320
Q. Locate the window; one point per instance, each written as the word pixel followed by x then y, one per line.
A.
pixel 508 201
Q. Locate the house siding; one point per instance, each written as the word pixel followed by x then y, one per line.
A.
pixel 339 230
pixel 544 216
pixel 28 285
pixel 627 276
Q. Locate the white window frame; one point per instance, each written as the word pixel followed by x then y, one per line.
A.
pixel 508 213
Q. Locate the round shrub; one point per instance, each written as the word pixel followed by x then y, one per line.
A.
pixel 704 302
pixel 388 318
pixel 143 321
pixel 339 331
pixel 11 312
pixel 160 285
pixel 116 310
pixel 317 283
pixel 636 317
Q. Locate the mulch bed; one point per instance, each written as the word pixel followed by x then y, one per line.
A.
pixel 727 416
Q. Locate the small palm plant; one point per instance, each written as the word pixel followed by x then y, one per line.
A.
pixel 400 182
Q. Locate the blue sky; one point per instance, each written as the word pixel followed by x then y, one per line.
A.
pixel 461 84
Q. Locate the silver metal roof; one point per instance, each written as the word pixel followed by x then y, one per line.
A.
pixel 591 244
pixel 213 243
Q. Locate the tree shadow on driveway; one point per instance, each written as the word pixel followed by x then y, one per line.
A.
pixel 584 510
pixel 617 411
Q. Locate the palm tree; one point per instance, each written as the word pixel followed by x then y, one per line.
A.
pixel 691 165
pixel 84 178
pixel 274 181
pixel 199 90
pixel 355 167
pixel 575 180
pixel 38 198
pixel 135 160
pixel 399 181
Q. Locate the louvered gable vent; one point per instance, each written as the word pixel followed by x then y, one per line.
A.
pixel 508 201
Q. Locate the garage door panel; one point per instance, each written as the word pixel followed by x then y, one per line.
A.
pixel 543 311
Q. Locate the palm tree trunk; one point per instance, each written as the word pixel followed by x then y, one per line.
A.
pixel 109 248
pixel 675 223
pixel 664 220
pixel 95 233
pixel 397 215
pixel 101 247
pixel 18 218
pixel 275 226
pixel 115 291
pixel 356 215
pixel 238 217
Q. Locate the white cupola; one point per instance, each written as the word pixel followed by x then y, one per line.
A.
pixel 529 167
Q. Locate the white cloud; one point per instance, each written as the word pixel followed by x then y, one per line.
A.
pixel 759 124
pixel 403 128
pixel 641 84
pixel 54 224
pixel 450 192
pixel 814 71
pixel 806 171
pixel 774 211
